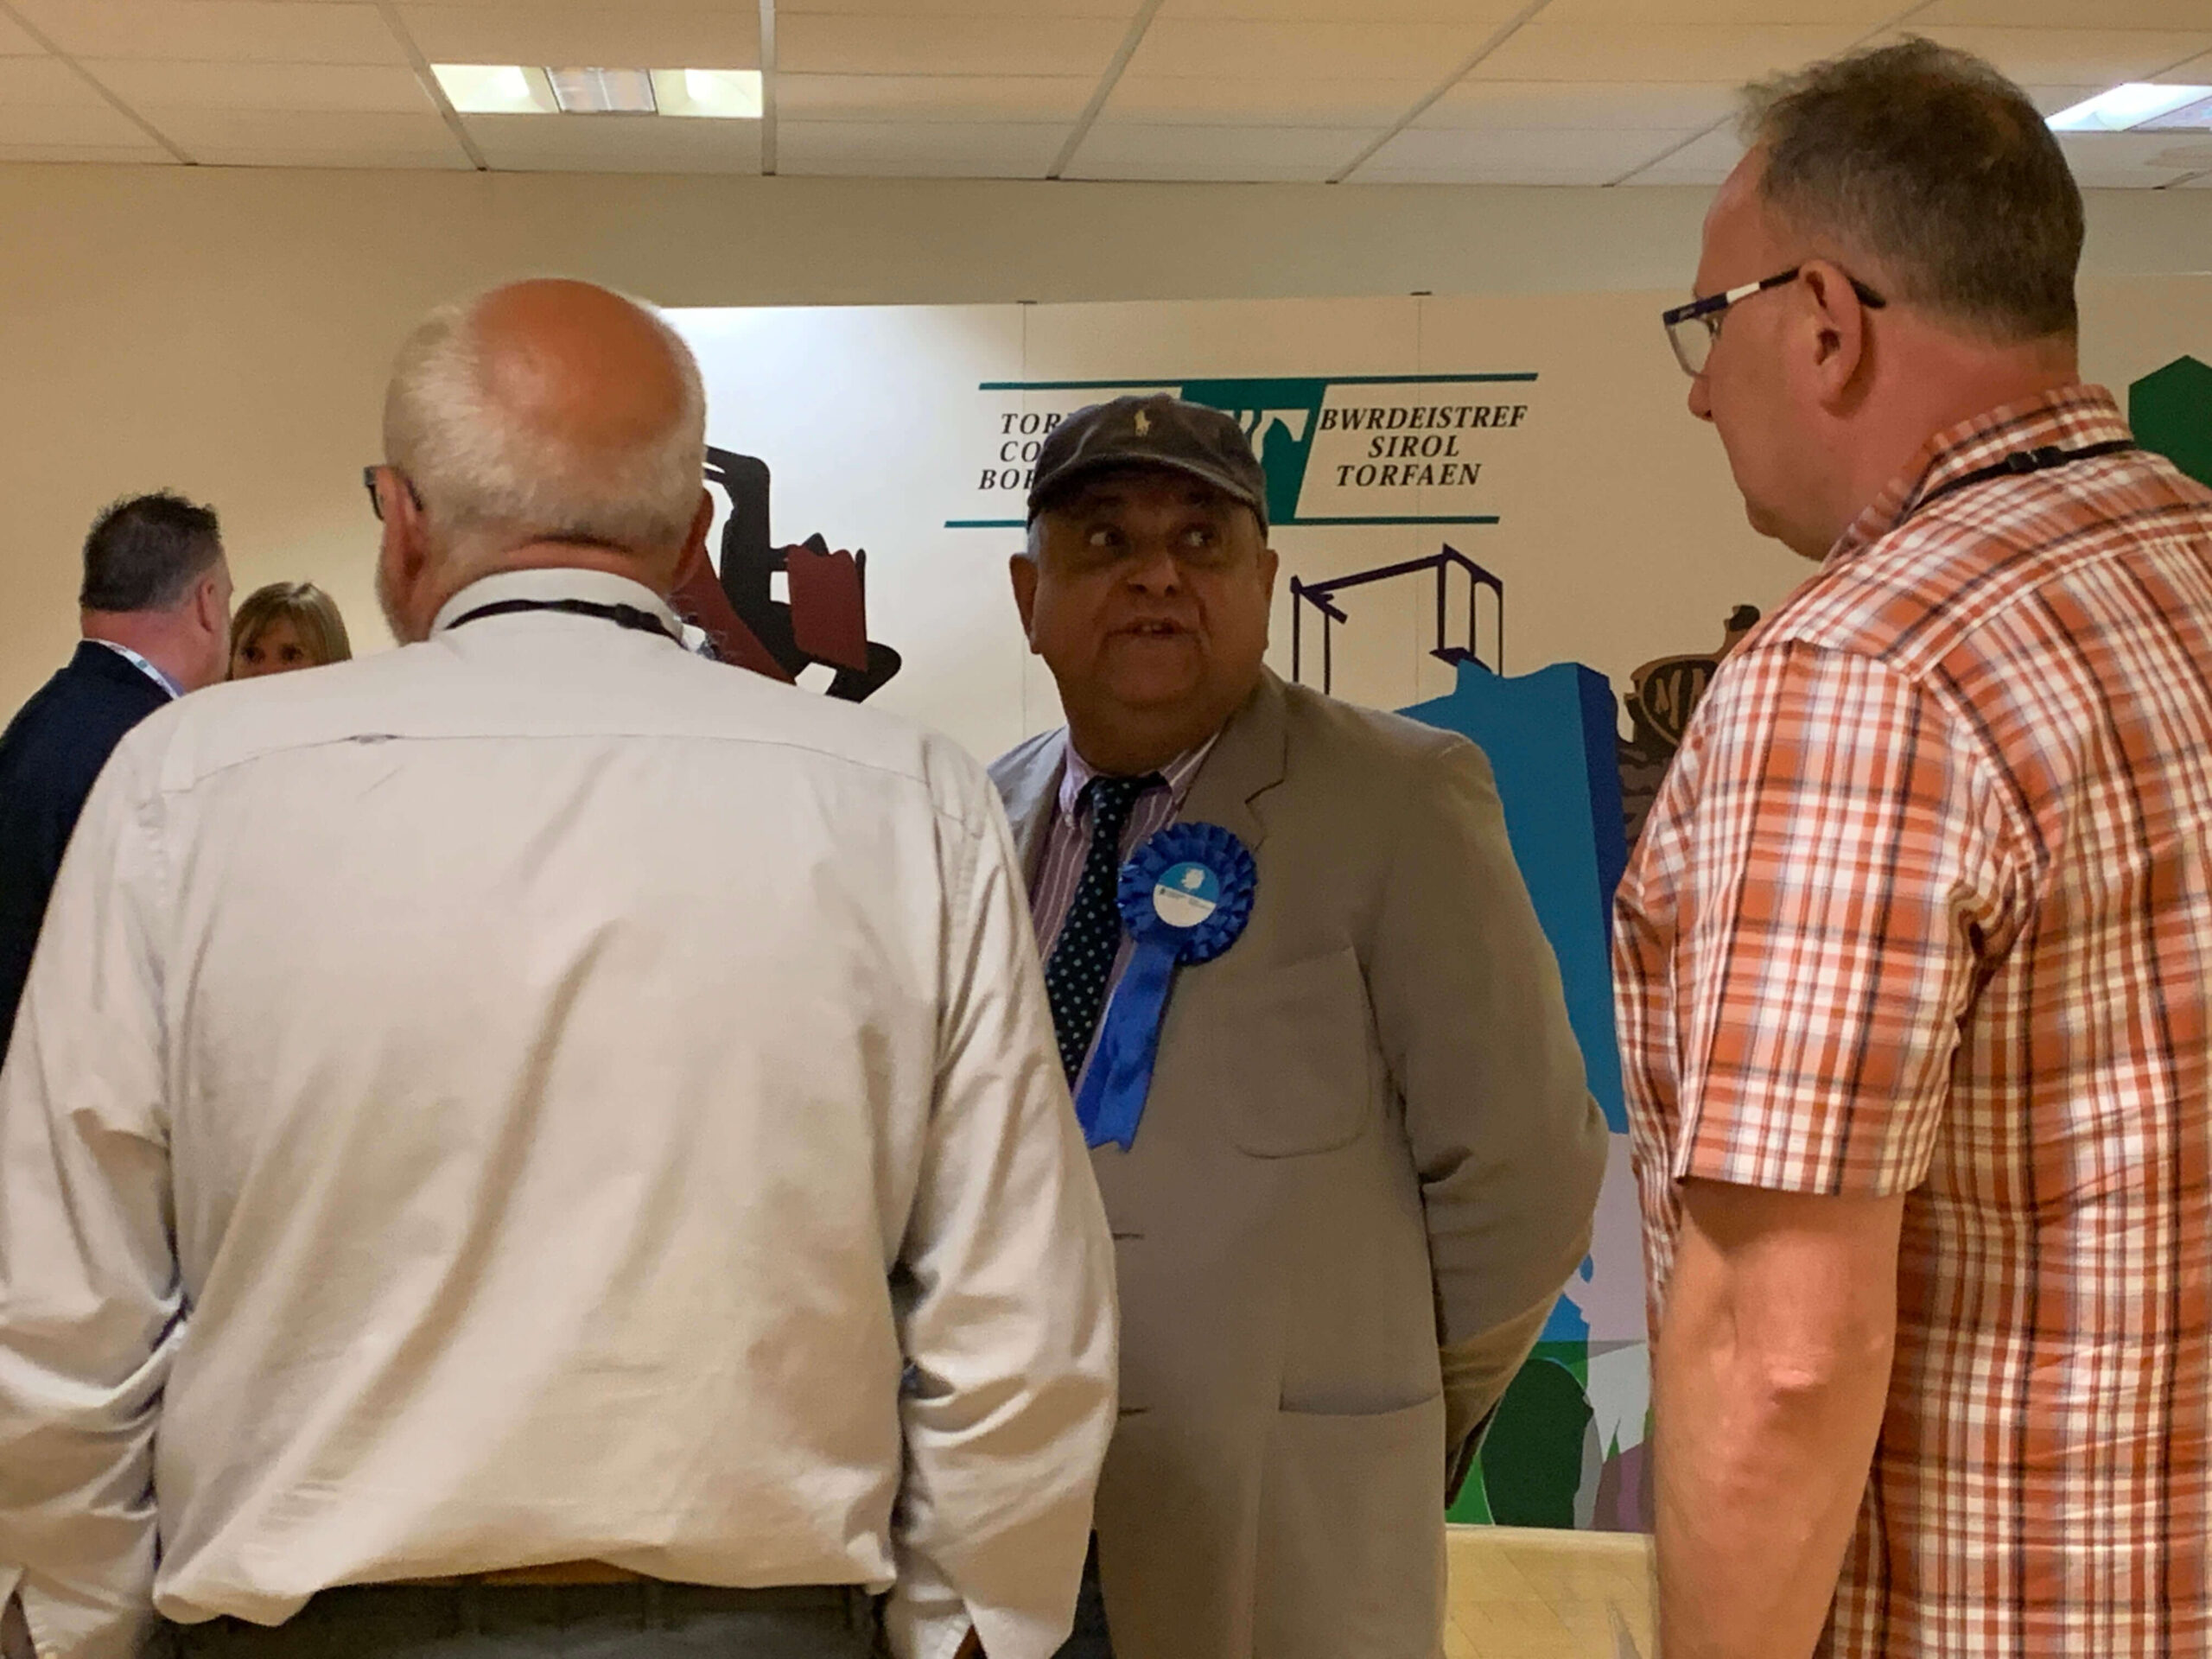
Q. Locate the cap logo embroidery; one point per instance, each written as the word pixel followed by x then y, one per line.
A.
pixel 1144 424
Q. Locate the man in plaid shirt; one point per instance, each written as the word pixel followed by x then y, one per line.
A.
pixel 1914 959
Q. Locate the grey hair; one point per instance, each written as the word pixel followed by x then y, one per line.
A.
pixel 1928 161
pixel 481 476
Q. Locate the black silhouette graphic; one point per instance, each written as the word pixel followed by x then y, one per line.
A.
pixel 1321 595
pixel 823 619
pixel 1662 695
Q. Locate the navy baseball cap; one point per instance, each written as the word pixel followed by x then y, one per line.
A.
pixel 1161 431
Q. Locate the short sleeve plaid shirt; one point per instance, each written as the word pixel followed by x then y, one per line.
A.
pixel 1925 906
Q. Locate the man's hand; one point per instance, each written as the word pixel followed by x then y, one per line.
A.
pixel 1770 1376
pixel 16 1633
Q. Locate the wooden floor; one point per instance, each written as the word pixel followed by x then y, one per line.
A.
pixel 1525 1594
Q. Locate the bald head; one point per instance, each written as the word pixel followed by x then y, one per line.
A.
pixel 548 411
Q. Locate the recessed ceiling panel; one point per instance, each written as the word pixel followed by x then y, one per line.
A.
pixel 1308 154
pixel 841 44
pixel 1648 52
pixel 602 36
pixel 312 137
pixel 239 31
pixel 149 86
pixel 1261 101
pixel 926 150
pixel 2086 57
pixel 933 98
pixel 615 144
pixel 1705 160
pixel 1316 52
pixel 1503 156
pixel 1531 105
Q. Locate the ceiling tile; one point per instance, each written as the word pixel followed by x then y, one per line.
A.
pixel 15 42
pixel 2134 160
pixel 367 159
pixel 1498 156
pixel 2066 57
pixel 1264 101
pixel 1355 51
pixel 845 45
pixel 309 133
pixel 1258 154
pixel 96 124
pixel 1116 11
pixel 124 154
pixel 609 36
pixel 935 149
pixel 1694 52
pixel 44 83
pixel 1863 15
pixel 615 144
pixel 1490 13
pixel 2196 69
pixel 1706 160
pixel 1527 106
pixel 933 98
pixel 2060 14
pixel 252 31
pixel 149 86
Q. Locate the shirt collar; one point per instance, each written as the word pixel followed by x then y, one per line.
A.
pixel 2072 417
pixel 599 587
pixel 144 667
pixel 1076 774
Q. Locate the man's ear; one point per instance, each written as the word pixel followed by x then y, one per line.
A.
pixel 214 616
pixel 1838 320
pixel 1021 569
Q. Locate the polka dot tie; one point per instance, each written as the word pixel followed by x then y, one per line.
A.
pixel 1082 959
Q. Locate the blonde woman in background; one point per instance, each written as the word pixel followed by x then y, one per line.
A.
pixel 285 625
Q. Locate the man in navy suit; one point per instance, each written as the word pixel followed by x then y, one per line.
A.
pixel 155 614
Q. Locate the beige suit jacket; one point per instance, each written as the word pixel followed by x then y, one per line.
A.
pixel 1367 1163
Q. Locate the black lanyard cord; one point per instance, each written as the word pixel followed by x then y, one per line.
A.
pixel 623 616
pixel 2022 462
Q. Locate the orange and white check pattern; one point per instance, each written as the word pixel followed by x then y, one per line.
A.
pixel 1925 906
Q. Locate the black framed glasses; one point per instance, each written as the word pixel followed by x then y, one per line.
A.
pixel 1691 328
pixel 369 483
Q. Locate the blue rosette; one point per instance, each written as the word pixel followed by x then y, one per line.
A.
pixel 1185 896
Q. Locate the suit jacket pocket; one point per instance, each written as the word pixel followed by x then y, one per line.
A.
pixel 1289 1053
pixel 1352 1535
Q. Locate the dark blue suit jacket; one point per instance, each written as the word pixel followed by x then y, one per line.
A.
pixel 50 756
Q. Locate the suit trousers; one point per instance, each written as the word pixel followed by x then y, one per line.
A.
pixel 647 1620
pixel 1090 1639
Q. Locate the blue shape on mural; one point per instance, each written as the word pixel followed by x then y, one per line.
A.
pixel 1550 737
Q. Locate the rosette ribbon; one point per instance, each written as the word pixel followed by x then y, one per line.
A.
pixel 1185 896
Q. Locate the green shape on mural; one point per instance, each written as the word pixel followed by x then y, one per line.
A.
pixel 2171 409
pixel 1281 416
pixel 1532 1455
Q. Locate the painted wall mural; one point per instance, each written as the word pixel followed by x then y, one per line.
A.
pixel 1428 460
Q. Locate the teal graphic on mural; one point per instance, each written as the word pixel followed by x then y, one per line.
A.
pixel 1352 450
pixel 2171 409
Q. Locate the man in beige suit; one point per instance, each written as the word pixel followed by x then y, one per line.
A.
pixel 1367 1157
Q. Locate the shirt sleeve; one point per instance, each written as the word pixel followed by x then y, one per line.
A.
pixel 1846 867
pixel 89 1299
pixel 1009 1325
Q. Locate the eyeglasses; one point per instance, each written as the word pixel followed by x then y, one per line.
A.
pixel 375 501
pixel 1691 328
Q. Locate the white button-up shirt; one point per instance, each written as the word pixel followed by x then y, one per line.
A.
pixel 527 1097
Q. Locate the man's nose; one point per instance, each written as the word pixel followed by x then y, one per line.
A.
pixel 1153 568
pixel 1700 398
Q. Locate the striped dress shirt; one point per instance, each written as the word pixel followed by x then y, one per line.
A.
pixel 1067 844
pixel 1925 907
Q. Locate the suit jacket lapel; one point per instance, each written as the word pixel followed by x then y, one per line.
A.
pixel 1031 786
pixel 1244 765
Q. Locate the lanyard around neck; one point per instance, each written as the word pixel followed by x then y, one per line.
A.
pixel 2019 464
pixel 623 616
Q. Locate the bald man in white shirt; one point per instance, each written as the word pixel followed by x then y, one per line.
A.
pixel 490 1124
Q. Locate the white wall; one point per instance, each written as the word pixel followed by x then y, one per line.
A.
pixel 226 332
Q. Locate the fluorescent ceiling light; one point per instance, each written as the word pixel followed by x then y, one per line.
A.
pixel 2139 104
pixel 603 92
pixel 725 94
pixel 495 88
